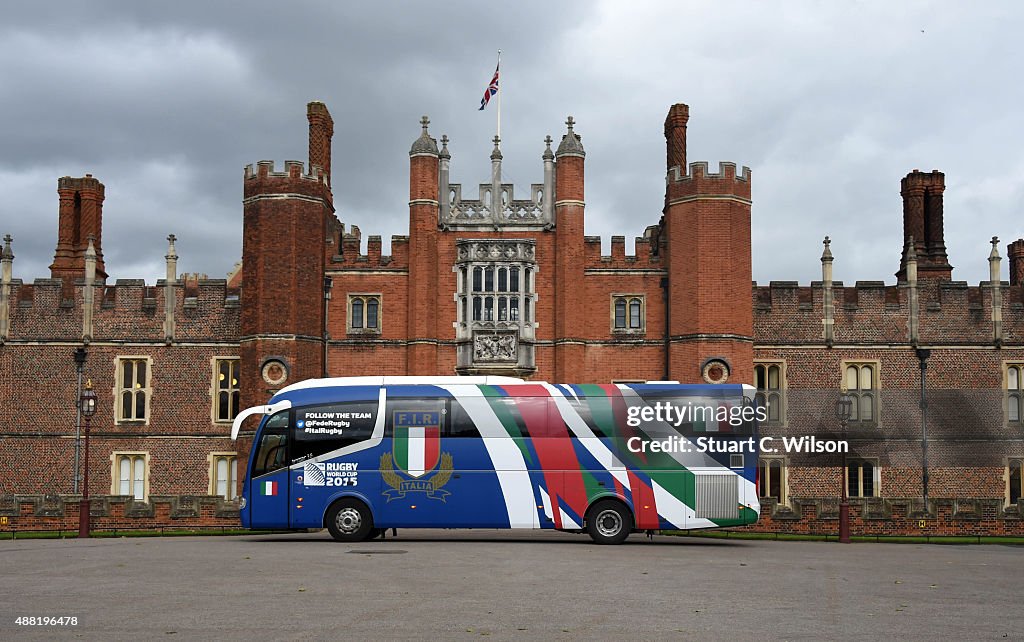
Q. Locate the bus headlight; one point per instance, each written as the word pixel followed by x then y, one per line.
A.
pixel 241 504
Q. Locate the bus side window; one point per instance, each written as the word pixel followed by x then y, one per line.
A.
pixel 460 424
pixel 325 428
pixel 555 426
pixel 581 407
pixel 510 411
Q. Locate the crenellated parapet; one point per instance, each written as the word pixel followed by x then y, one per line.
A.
pixel 643 257
pixel 699 182
pixel 873 312
pixel 205 310
pixel 351 255
pixel 294 180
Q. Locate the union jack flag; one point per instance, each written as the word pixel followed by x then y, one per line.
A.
pixel 491 89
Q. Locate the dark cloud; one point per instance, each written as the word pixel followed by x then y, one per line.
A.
pixel 829 105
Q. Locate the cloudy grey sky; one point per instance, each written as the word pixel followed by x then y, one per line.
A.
pixel 830 104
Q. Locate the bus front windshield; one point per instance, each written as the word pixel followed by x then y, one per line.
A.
pixel 272 451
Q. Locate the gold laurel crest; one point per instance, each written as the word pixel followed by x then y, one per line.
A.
pixel 387 471
pixel 444 471
pixel 439 479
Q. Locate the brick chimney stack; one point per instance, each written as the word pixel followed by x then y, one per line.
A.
pixel 321 131
pixel 922 220
pixel 675 136
pixel 80 217
pixel 1015 251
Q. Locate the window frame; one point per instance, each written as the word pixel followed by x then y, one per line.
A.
pixel 876 477
pixel 764 463
pixel 628 299
pixel 364 298
pixel 115 478
pixel 1011 463
pixel 767 364
pixel 215 390
pixel 146 390
pixel 1014 394
pixel 212 460
pixel 874 392
pixel 482 307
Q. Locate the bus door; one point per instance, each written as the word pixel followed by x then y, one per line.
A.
pixel 268 490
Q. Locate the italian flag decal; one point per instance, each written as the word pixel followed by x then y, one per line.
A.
pixel 417 448
pixel 268 488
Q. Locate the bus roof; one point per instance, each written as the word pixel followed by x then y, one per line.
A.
pixel 315 390
pixel 332 382
pixel 488 380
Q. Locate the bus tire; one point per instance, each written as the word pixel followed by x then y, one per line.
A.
pixel 609 522
pixel 349 520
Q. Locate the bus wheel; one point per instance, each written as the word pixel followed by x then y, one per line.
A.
pixel 349 520
pixel 609 522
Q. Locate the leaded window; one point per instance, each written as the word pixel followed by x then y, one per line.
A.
pixel 628 313
pixel 226 389
pixel 769 378
pixel 862 478
pixel 772 479
pixel 1015 393
pixel 132 388
pixel 130 474
pixel 861 382
pixel 1015 480
pixel 364 314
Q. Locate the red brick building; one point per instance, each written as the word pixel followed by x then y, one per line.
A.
pixel 500 283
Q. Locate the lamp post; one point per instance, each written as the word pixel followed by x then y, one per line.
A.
pixel 922 358
pixel 79 356
pixel 87 405
pixel 844 409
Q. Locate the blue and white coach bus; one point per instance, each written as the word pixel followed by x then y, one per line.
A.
pixel 359 455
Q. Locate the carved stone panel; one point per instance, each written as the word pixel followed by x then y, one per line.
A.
pixel 495 348
pixel 495 250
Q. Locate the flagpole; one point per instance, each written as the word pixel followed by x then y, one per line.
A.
pixel 498 134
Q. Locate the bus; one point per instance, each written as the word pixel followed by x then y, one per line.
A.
pixel 361 455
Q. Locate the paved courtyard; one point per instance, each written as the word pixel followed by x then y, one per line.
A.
pixel 502 585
